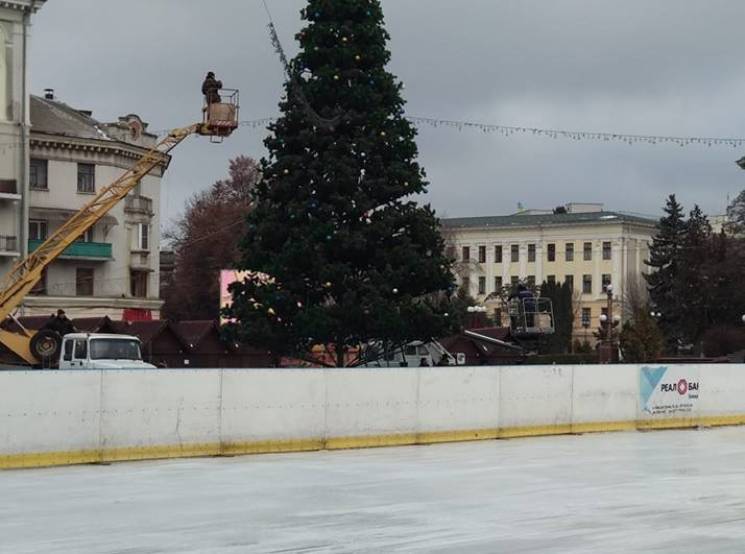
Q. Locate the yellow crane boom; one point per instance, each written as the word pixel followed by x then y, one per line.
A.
pixel 220 119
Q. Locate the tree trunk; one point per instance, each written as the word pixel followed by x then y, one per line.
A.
pixel 340 355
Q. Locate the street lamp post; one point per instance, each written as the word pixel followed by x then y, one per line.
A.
pixel 609 292
pixel 609 321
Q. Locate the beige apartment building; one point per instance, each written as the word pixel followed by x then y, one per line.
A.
pixel 114 269
pixel 587 246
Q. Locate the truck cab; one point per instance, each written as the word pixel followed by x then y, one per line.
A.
pixel 101 351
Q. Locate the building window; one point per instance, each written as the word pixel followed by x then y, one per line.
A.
pixel 498 254
pixel 531 281
pixel 38 170
pixel 86 178
pixel 143 236
pixel 81 349
pixel 37 229
pixel 551 279
pixel 604 311
pixel 84 281
pixel 138 283
pixel 569 280
pixel 515 253
pixel 586 317
pixel 587 284
pixel 466 257
pixel 531 253
pixel 450 252
pixel 40 288
pixel 482 254
pixel 86 237
pixel 6 74
pixel 551 252
pixel 569 252
pixel 587 251
pixel 482 285
pixel 498 284
pixel 606 281
pixel 607 252
pixel 8 243
pixel 514 280
pixel 466 285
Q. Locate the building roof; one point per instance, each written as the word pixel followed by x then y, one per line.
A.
pixel 520 220
pixel 193 332
pixel 146 331
pixel 53 117
pixel 84 324
pixel 93 324
pixel 34 5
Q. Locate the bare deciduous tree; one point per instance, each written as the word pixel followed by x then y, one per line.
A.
pixel 205 240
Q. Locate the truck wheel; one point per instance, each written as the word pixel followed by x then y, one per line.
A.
pixel 46 344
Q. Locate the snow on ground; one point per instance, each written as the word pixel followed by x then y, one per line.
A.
pixel 679 491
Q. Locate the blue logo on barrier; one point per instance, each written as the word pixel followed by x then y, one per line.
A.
pixel 650 377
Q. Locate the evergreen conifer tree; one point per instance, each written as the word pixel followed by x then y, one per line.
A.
pixel 641 339
pixel 561 299
pixel 736 215
pixel 665 262
pixel 694 295
pixel 342 254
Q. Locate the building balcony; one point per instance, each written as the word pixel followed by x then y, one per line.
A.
pixel 91 251
pixel 139 205
pixel 9 246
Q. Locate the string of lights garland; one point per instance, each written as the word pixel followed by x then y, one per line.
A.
pixel 508 131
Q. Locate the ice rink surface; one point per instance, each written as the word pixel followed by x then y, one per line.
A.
pixel 678 491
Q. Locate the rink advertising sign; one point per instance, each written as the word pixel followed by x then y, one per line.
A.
pixel 668 391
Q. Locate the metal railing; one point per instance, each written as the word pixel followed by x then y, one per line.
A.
pixel 8 243
pixel 138 204
pixel 80 249
pixel 531 316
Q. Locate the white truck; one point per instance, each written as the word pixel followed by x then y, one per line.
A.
pixel 413 354
pixel 101 351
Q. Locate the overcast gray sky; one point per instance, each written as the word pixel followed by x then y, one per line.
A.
pixel 628 66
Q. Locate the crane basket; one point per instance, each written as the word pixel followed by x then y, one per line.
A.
pixel 531 317
pixel 220 119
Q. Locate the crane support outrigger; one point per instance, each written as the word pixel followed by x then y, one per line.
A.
pixel 219 121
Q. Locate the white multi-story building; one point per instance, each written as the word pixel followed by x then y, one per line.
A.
pixel 585 245
pixel 53 159
pixel 15 22
pixel 114 269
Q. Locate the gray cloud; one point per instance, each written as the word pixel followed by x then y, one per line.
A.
pixel 663 67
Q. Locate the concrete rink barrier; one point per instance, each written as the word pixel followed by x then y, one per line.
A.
pixel 67 417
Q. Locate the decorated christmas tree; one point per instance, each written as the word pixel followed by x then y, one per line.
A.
pixel 342 256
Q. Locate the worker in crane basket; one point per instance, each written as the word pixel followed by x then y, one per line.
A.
pixel 526 305
pixel 210 89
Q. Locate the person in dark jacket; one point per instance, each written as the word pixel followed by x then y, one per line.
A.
pixel 526 306
pixel 210 88
pixel 60 323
